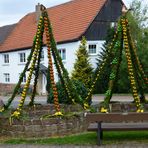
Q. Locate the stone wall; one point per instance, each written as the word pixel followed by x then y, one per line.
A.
pixel 32 125
pixel 6 88
pixel 42 128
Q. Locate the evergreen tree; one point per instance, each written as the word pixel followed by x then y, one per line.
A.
pixel 82 68
pixel 102 83
pixel 138 22
pixel 138 19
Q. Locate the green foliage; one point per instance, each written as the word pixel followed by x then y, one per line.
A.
pixel 138 21
pixel 18 85
pixel 86 139
pixel 79 86
pixel 123 84
pixel 82 68
pixel 62 72
pixel 102 83
pixel 138 25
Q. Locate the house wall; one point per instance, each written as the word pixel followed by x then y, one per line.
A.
pixel 71 49
pixel 14 67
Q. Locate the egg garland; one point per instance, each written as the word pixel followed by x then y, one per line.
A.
pixel 137 59
pixel 130 68
pixel 99 71
pixel 17 112
pixel 116 51
pixel 55 93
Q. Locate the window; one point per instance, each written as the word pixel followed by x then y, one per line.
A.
pixel 42 55
pixel 24 78
pixel 22 57
pixel 62 52
pixel 7 77
pixel 92 49
pixel 6 58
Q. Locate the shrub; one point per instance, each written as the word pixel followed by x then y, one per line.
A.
pixel 80 88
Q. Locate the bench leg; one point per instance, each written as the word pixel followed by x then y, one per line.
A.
pixel 99 134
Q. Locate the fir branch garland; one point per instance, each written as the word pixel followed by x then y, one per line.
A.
pixel 131 67
pixel 31 103
pixel 138 71
pixel 15 91
pixel 68 82
pixel 117 52
pixel 17 112
pixel 100 69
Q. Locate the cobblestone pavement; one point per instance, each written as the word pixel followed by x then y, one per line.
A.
pixel 128 145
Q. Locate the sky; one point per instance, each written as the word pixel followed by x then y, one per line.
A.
pixel 11 11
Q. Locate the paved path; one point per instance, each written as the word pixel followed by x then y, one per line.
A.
pixel 129 145
pixel 95 99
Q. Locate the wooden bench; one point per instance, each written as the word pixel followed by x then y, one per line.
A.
pixel 100 122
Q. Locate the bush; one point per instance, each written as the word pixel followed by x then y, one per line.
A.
pixel 79 86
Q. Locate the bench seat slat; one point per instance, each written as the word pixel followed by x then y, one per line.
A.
pixel 116 117
pixel 119 126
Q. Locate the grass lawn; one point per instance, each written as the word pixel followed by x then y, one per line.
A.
pixel 84 139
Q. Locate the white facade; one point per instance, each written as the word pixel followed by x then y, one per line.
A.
pixel 11 68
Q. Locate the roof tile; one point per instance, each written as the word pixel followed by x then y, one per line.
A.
pixel 69 21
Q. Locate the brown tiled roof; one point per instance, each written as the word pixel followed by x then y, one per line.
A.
pixel 69 22
pixel 5 31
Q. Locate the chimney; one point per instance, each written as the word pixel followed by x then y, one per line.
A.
pixel 38 11
pixel 124 10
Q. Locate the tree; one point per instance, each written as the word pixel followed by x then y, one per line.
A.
pixel 138 21
pixel 138 18
pixel 102 83
pixel 82 68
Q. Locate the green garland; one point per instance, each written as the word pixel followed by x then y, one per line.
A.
pixel 130 64
pixel 138 70
pixel 57 64
pixel 41 27
pixel 69 87
pixel 100 69
pixel 17 112
pixel 31 103
pixel 117 52
pixel 15 91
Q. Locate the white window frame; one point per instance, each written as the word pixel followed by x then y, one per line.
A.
pixel 6 77
pixel 23 58
pixel 92 53
pixel 6 58
pixel 62 52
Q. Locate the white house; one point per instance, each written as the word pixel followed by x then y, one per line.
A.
pixel 70 21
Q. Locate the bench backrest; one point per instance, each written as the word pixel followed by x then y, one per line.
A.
pixel 116 117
